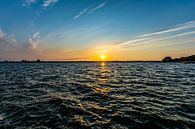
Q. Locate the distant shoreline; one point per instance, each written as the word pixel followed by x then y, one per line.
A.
pixel 168 59
pixel 185 62
pixel 74 61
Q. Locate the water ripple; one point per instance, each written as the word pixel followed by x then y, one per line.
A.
pixel 97 95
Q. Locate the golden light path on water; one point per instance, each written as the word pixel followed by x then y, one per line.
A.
pixel 103 71
pixel 100 89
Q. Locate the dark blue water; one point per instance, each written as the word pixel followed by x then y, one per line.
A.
pixel 94 95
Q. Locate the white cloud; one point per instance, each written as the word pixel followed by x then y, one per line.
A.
pixel 7 38
pixel 47 3
pixel 179 27
pixel 28 2
pixel 86 10
pixel 12 38
pixel 181 33
pixel 97 7
pixel 81 13
pixel 10 49
pixel 34 40
pixel 2 34
pixel 16 51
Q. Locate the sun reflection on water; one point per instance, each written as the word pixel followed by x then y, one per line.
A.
pixel 103 79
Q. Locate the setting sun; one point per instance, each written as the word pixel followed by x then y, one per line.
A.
pixel 103 57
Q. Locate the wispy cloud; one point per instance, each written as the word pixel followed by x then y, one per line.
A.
pixel 10 49
pixel 179 34
pixel 48 3
pixel 81 13
pixel 34 40
pixel 179 27
pixel 2 34
pixel 89 10
pixel 29 2
pixel 30 49
pixel 8 38
pixel 97 7
pixel 12 38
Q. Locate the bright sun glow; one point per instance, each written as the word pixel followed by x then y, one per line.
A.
pixel 102 57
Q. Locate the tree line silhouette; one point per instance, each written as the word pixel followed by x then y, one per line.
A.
pixel 181 59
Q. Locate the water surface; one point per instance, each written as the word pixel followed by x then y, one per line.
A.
pixel 97 95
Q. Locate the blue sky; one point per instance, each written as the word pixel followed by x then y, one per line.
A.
pixel 82 30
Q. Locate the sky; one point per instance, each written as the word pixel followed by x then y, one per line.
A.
pixel 90 29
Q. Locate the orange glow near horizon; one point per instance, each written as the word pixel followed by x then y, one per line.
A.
pixel 102 57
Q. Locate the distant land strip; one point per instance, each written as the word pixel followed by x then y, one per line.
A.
pixel 188 59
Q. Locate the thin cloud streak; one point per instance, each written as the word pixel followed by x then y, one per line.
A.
pixel 81 13
pixel 179 27
pixel 156 40
pixel 86 10
pixel 28 3
pixel 97 7
pixel 151 36
pixel 182 34
pixel 47 3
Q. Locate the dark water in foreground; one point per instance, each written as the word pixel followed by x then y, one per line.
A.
pixel 94 95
